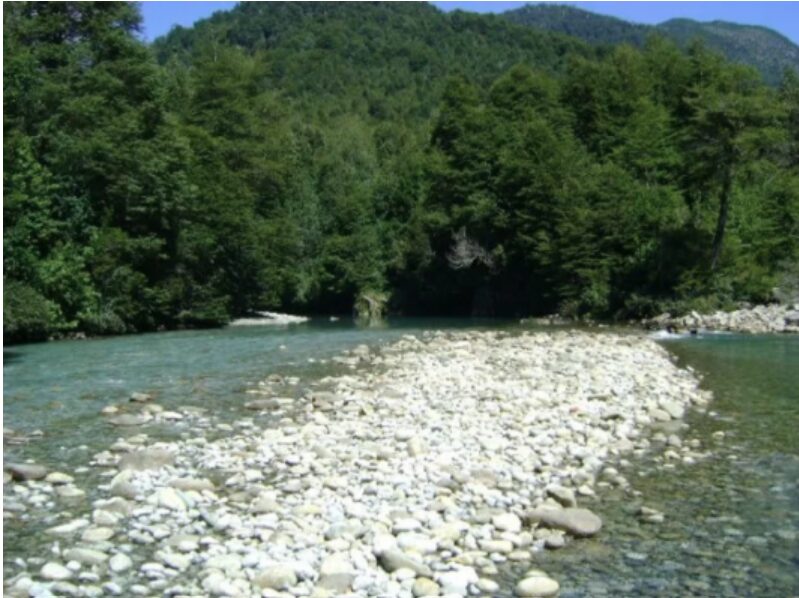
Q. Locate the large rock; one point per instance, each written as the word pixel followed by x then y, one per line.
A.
pixel 391 560
pixel 151 458
pixel 577 522
pixel 26 471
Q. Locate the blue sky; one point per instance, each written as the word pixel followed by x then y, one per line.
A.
pixel 159 17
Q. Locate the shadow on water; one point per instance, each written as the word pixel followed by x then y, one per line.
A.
pixel 9 356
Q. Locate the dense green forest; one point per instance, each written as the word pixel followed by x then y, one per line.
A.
pixel 296 156
pixel 759 47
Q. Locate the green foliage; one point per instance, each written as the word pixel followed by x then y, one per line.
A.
pixel 304 156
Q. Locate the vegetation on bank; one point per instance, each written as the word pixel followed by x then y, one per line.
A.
pixel 298 156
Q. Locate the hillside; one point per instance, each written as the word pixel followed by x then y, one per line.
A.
pixel 765 49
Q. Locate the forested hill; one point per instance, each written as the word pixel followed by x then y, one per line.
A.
pixel 760 47
pixel 298 156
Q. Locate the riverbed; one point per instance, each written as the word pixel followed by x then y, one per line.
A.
pixel 730 522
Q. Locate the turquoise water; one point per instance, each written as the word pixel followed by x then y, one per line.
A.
pixel 732 521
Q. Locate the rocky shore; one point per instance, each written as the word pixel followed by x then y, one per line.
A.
pixel 420 473
pixel 755 320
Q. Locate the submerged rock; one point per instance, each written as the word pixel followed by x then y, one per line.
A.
pixel 576 521
pixel 150 458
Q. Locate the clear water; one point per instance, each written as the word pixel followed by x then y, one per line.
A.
pixel 732 521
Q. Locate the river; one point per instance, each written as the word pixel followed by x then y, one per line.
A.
pixel 732 520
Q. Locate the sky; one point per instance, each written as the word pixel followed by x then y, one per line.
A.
pixel 160 17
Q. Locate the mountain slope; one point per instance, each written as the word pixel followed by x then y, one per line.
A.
pixel 759 47
pixel 762 48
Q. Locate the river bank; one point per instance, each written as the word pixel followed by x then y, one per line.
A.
pixel 760 319
pixel 434 462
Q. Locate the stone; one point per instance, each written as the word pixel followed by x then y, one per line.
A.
pixel 262 405
pixel 196 484
pixel 457 582
pixel 496 546
pixel 424 586
pixel 97 534
pixel 55 572
pixel 335 564
pixel 415 446
pixel 487 586
pixel 674 409
pixel 85 556
pixel 22 472
pixel 565 496
pixel 418 543
pixel 555 541
pixel 169 499
pixel 140 397
pixel 507 522
pixel 338 583
pixel 537 587
pixel 406 524
pixel 128 419
pixel 69 491
pixel 176 561
pixel 576 521
pixel 452 530
pixel 391 560
pixel 142 460
pixel 122 485
pixel 67 529
pixel 57 478
pixel 120 562
pixel 276 577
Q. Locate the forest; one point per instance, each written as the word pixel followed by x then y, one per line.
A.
pixel 300 156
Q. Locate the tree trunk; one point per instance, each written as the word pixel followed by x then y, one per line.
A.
pixel 724 211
